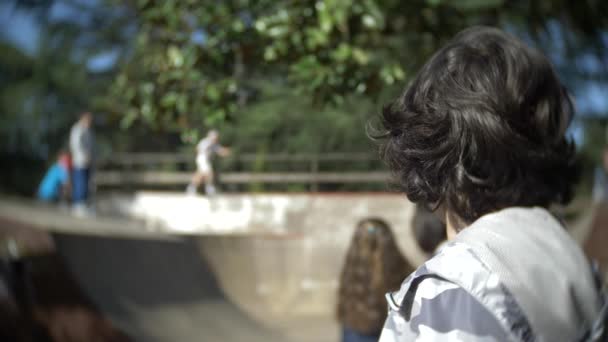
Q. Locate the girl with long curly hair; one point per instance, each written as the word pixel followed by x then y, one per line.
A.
pixel 373 266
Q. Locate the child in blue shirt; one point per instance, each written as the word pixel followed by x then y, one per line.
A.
pixel 56 181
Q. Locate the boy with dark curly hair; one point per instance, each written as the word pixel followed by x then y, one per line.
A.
pixel 480 137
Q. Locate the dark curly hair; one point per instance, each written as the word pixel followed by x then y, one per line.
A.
pixel 429 230
pixel 373 266
pixel 481 128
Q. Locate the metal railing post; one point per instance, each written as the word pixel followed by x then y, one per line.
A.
pixel 314 170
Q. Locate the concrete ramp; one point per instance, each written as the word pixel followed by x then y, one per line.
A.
pixel 289 248
pixel 158 290
pixel 323 215
pixel 238 267
pixel 265 263
pixel 177 213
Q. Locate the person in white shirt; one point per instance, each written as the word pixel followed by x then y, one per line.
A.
pixel 82 143
pixel 204 173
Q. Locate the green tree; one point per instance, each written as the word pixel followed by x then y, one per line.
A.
pixel 42 89
pixel 193 62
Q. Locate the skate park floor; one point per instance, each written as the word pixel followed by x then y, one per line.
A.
pixel 262 284
pixel 159 289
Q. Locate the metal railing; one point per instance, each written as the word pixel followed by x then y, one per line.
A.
pixel 173 169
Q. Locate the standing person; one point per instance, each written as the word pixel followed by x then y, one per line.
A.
pixel 82 145
pixel 204 151
pixel 373 266
pixel 480 135
pixel 55 185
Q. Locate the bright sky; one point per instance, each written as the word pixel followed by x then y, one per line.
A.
pixel 19 28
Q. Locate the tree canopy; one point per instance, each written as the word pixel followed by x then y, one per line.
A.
pixel 42 89
pixel 275 76
pixel 197 65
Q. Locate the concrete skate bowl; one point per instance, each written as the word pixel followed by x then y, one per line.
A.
pixel 277 257
pixel 167 267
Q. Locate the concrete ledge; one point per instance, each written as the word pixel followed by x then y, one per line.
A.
pixel 274 255
pixel 54 219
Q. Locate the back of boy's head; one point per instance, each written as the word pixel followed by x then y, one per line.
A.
pixel 482 127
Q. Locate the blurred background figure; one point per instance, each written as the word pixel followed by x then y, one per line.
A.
pixel 600 179
pixel 82 146
pixel 373 266
pixel 55 185
pixel 204 152
pixel 429 230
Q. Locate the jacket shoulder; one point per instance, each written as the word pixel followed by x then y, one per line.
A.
pixel 453 296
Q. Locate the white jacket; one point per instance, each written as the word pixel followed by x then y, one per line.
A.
pixel 513 275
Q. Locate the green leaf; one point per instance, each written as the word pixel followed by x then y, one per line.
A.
pixel 471 5
pixel 270 54
pixel 128 119
pixel 360 56
pixel 175 56
pixel 212 92
pixel 342 53
pixel 238 25
pixel 169 100
pixel 182 104
pixel 142 3
pixel 260 25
